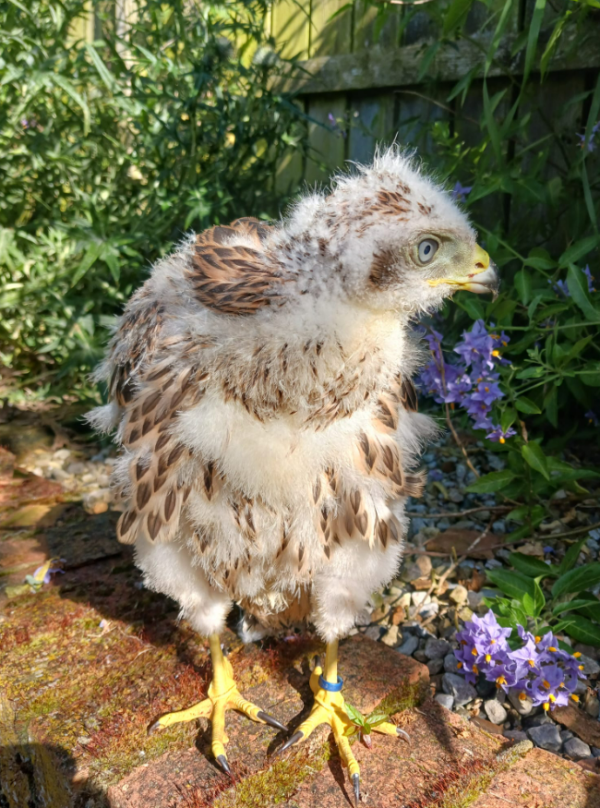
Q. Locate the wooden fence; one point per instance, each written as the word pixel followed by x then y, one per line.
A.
pixel 372 80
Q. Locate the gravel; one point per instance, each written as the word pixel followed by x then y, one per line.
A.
pixel 409 646
pixel 436 649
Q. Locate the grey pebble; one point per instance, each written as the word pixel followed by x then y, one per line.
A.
pixel 436 649
pixel 566 735
pixel 596 751
pixel 515 734
pixel 495 711
pixel 409 646
pixel 456 686
pixel 373 632
pixel 576 749
pixel 451 663
pixel 522 707
pixel 590 666
pixel 435 666
pixel 445 699
pixel 546 737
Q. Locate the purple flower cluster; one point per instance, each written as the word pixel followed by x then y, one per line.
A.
pixel 472 383
pixel 589 145
pixel 460 192
pixel 539 670
pixel 560 287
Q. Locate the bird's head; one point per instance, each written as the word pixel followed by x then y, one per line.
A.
pixel 393 239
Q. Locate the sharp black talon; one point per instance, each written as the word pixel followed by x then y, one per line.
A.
pixel 356 784
pixel 222 761
pixel 403 734
pixel 297 736
pixel 268 719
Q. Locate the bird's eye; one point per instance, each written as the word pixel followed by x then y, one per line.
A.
pixel 427 249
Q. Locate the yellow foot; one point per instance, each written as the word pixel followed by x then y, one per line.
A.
pixel 223 695
pixel 329 709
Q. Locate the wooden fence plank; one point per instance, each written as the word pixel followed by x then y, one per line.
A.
pixel 373 122
pixel 328 36
pixel 290 20
pixel 397 67
pixel 375 27
pixel 328 145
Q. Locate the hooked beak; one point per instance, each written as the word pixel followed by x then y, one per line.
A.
pixel 481 279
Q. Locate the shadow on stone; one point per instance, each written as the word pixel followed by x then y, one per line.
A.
pixel 36 775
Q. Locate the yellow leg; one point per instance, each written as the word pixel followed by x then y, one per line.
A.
pixel 223 695
pixel 329 709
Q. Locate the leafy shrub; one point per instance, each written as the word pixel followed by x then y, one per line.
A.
pixel 111 150
pixel 528 171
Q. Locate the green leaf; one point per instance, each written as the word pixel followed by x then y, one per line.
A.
pixel 578 250
pixel 535 457
pixel 532 566
pixel 507 418
pixel 353 714
pixel 576 580
pixel 578 287
pixel 513 584
pixel 571 556
pixel 590 609
pixel 455 15
pixel 582 629
pixel 523 285
pixel 526 405
pixel 66 85
pixel 490 483
pixel 89 259
pixel 532 38
pixel 532 373
pixel 376 718
pixel 570 606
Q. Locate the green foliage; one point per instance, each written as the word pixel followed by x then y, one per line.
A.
pixel 110 151
pixel 527 144
pixel 362 726
pixel 567 605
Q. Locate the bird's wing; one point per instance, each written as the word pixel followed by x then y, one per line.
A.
pixel 377 456
pixel 230 271
pixel 161 470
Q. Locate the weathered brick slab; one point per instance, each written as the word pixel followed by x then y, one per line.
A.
pixel 444 751
pixel 371 672
pixel 542 780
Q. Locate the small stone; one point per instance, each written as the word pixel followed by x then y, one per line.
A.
pixel 495 711
pixel 420 656
pixel 435 666
pixel 445 699
pixel 429 610
pixel 465 614
pixel 459 594
pixel 451 663
pixel 590 666
pixel 391 636
pixel 436 649
pixel 420 568
pixel 474 599
pixel 486 689
pixel 493 564
pixel 409 646
pixel 592 704
pixel 456 686
pixel 566 735
pixel 596 751
pixel 373 632
pixel 420 598
pixel 62 454
pixel 76 468
pixel 537 720
pixel 576 749
pixel 522 706
pixel 547 737
pixel 515 735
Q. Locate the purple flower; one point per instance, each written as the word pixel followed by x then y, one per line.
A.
pixel 487 392
pixel 499 435
pixel 435 475
pixel 483 648
pixel 460 192
pixel 589 145
pixel 590 278
pixel 592 418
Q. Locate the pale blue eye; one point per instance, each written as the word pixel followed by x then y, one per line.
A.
pixel 427 249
